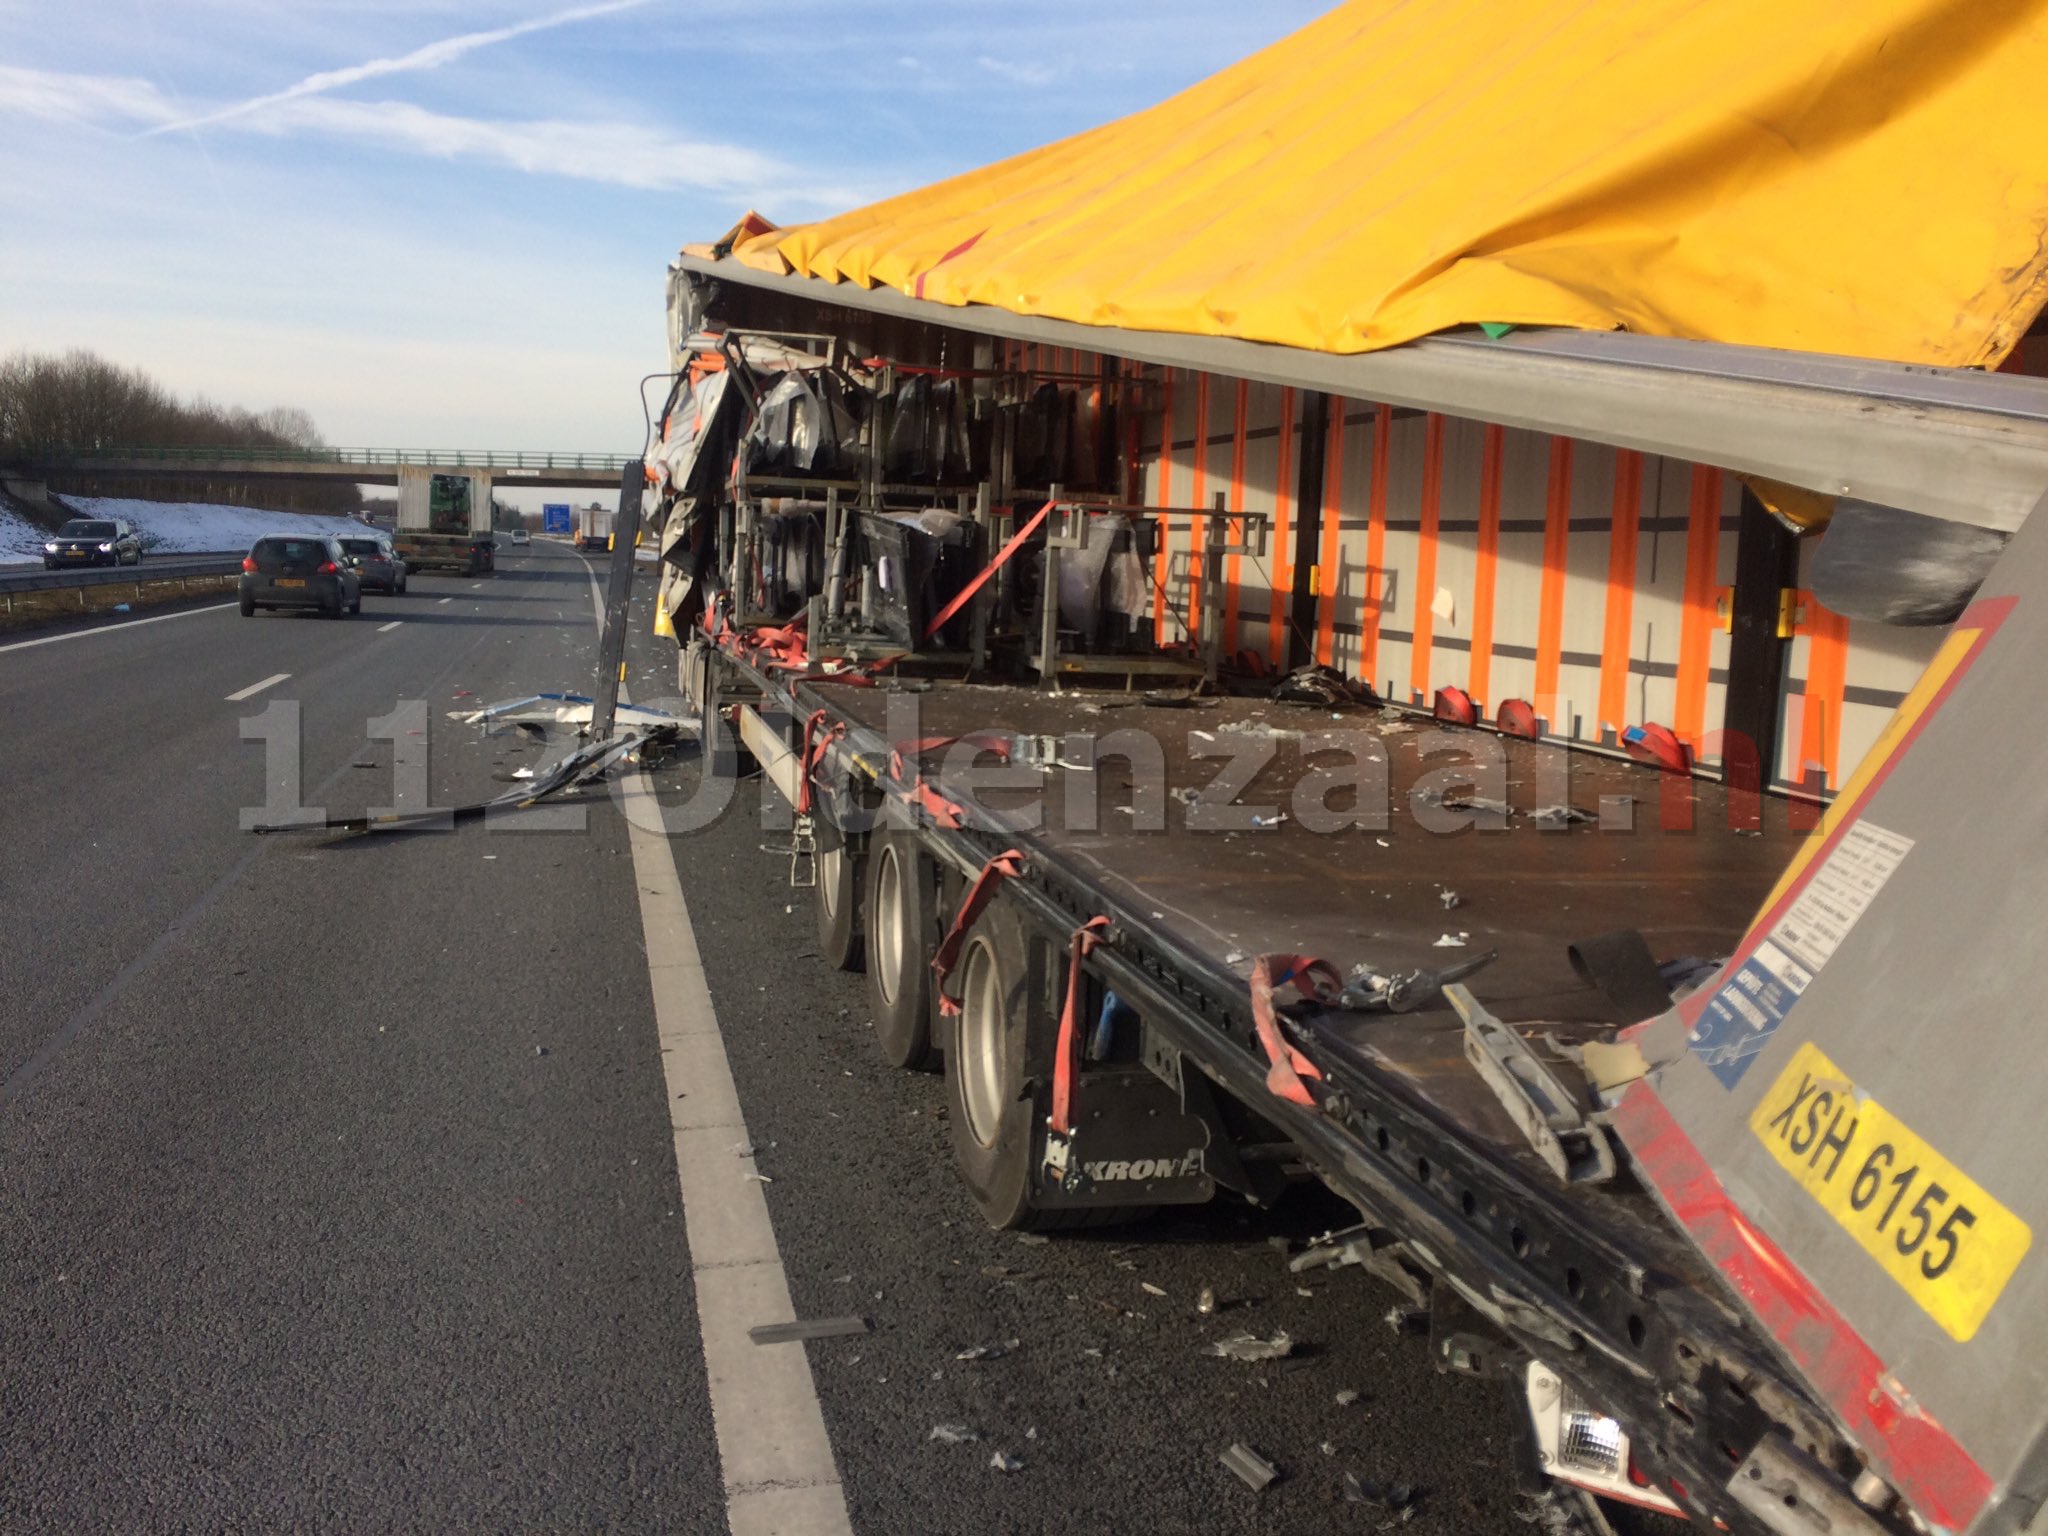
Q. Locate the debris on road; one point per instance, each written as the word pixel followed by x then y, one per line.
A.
pixel 1150 1289
pixel 1250 1348
pixel 1003 1461
pixel 812 1328
pixel 1252 1468
pixel 982 1352
pixel 1558 815
pixel 1449 898
pixel 1206 1302
pixel 1346 1398
pixel 1452 941
pixel 953 1434
pixel 1399 1497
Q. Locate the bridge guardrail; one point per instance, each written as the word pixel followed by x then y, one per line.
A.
pixel 465 458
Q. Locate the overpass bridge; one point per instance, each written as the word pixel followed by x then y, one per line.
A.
pixel 26 474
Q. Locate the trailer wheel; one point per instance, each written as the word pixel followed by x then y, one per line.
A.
pixel 901 919
pixel 841 874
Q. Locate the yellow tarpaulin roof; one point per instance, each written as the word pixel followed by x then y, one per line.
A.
pixel 1861 177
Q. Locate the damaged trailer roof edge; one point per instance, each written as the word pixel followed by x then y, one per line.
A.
pixel 1956 444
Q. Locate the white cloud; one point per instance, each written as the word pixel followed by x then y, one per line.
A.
pixel 623 154
pixel 1021 74
pixel 66 98
pixel 431 56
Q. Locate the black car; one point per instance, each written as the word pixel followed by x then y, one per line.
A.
pixel 93 541
pixel 286 572
pixel 377 563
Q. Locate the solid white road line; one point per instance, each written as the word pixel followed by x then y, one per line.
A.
pixel 254 688
pixel 114 629
pixel 772 1445
pixel 385 629
pixel 446 600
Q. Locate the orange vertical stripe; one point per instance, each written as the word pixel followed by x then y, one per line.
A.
pixel 1281 552
pixel 1233 563
pixel 1326 560
pixel 1375 543
pixel 1425 554
pixel 1486 564
pixel 1696 622
pixel 1557 514
pixel 1198 498
pixel 1163 526
pixel 1621 590
pixel 1827 677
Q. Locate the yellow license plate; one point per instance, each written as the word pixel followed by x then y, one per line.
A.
pixel 1931 1227
pixel 290 581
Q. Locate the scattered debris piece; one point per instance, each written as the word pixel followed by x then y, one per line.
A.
pixel 1033 1239
pixel 1450 898
pixel 1394 1496
pixel 982 1352
pixel 1328 1449
pixel 1206 1302
pixel 1250 1348
pixel 1251 1468
pixel 1558 815
pixel 1451 941
pixel 808 1328
pixel 1346 1398
pixel 1302 1290
pixel 953 1434
pixel 1370 991
pixel 1478 803
pixel 1150 1289
pixel 1003 1461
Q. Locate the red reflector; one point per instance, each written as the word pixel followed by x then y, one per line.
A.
pixel 1636 1474
pixel 248 562
pixel 328 568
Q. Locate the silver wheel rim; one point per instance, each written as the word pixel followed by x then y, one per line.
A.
pixel 889 925
pixel 828 879
pixel 980 1042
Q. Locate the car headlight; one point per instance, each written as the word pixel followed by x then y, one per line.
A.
pixel 106 549
pixel 50 548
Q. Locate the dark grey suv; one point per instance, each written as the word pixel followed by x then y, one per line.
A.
pixel 93 541
pixel 283 572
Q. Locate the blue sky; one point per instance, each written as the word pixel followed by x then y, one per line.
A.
pixel 446 224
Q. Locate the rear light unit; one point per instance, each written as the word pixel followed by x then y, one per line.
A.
pixel 1581 1445
pixel 329 568
pixel 249 563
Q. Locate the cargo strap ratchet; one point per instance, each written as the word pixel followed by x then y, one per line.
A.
pixel 1004 866
pixel 1059 1136
pixel 1086 937
pixel 817 742
pixel 1316 980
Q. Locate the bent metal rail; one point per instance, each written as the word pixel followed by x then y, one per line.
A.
pixel 157 568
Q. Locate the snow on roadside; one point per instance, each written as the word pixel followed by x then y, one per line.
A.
pixel 172 527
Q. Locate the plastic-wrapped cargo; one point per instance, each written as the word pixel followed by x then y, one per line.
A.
pixel 807 424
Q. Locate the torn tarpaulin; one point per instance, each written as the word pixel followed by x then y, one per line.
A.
pixel 582 766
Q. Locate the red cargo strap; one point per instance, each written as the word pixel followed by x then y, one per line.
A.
pixel 1004 866
pixel 945 812
pixel 966 593
pixel 816 745
pixel 1085 939
pixel 1314 979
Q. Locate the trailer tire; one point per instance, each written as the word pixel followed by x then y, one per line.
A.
pixel 902 934
pixel 991 1103
pixel 841 874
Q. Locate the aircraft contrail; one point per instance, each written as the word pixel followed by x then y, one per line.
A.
pixel 430 56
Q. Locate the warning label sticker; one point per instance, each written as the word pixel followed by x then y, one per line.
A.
pixel 1754 1001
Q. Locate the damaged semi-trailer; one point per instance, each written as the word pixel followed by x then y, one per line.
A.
pixel 1175 922
pixel 1533 783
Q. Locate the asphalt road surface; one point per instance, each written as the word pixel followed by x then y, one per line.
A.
pixel 339 1177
